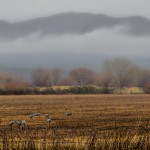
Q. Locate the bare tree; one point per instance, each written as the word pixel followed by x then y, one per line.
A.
pixel 82 76
pixel 11 81
pixel 56 76
pixel 41 77
pixel 123 70
pixel 67 81
pixel 104 79
pixel 143 78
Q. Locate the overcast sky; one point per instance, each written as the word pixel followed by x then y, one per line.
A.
pixel 46 51
pixel 13 10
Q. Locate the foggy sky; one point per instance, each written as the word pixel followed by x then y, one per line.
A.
pixel 28 49
pixel 14 10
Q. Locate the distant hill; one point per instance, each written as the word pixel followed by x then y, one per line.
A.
pixel 73 23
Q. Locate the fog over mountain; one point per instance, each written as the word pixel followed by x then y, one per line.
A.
pixel 72 39
pixel 74 23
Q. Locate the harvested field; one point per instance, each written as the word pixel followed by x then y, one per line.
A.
pixel 102 117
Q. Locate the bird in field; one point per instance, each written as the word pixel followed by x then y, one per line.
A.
pixel 37 114
pixel 46 115
pixel 68 114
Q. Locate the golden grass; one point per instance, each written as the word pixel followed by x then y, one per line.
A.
pixel 130 90
pixel 98 110
pixel 102 113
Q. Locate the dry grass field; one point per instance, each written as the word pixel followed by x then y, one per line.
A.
pixel 97 122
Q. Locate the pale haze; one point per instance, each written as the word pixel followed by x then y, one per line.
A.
pixel 73 33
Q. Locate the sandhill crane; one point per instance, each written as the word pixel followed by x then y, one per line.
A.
pixel 46 115
pixel 18 122
pixel 23 124
pixel 11 124
pixel 49 121
pixel 37 114
pixel 31 116
pixel 68 114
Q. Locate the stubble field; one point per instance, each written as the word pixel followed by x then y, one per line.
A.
pixel 97 122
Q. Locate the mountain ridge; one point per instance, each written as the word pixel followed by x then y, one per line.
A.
pixel 73 23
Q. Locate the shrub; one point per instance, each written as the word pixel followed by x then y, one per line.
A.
pixel 58 90
pixel 147 88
